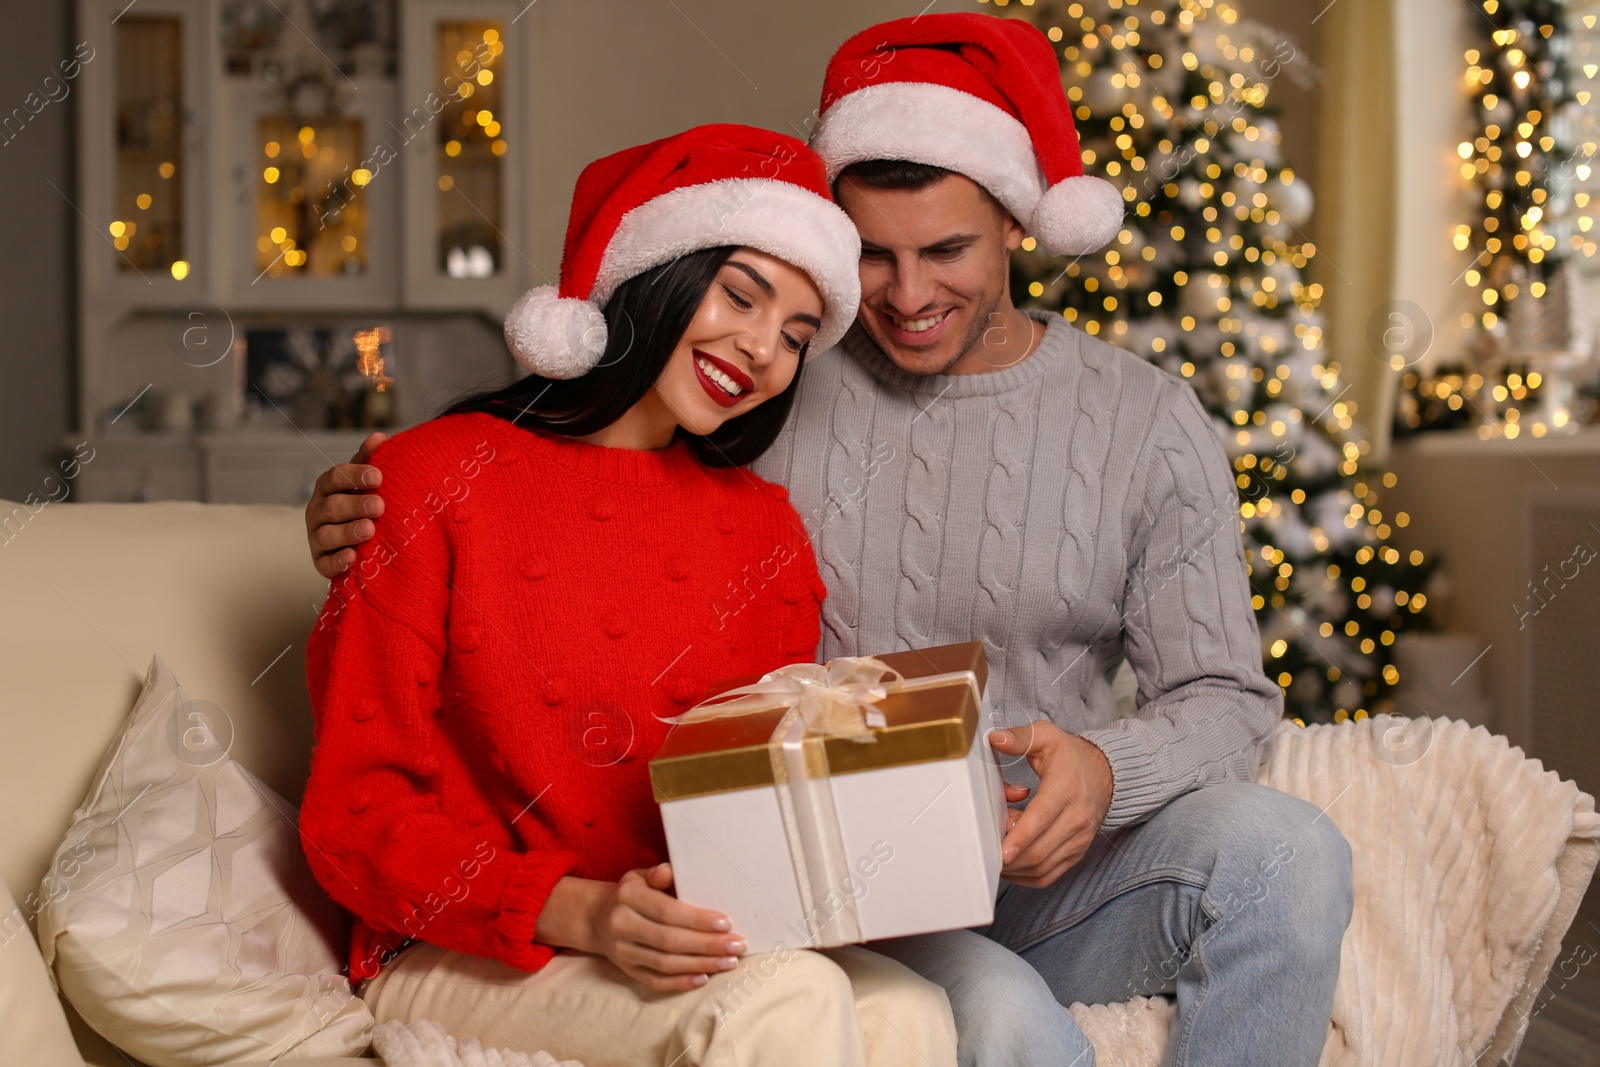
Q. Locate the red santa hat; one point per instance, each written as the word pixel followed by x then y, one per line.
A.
pixel 977 94
pixel 703 188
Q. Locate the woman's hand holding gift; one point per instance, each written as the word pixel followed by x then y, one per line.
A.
pixel 651 935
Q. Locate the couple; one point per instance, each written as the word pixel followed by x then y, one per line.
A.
pixel 490 674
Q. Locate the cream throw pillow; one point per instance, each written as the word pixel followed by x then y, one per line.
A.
pixel 180 918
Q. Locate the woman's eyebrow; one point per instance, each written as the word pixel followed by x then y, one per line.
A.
pixel 809 320
pixel 755 276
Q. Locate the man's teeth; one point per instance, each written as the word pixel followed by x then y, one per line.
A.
pixel 919 325
pixel 710 370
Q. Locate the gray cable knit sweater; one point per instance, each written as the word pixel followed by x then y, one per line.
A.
pixel 1068 511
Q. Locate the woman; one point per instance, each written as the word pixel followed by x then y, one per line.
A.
pixel 491 677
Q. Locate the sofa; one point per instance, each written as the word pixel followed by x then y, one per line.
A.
pixel 224 594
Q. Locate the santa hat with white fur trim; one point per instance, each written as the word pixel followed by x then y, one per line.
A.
pixel 703 188
pixel 976 94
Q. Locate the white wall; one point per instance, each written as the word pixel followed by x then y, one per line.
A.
pixel 609 75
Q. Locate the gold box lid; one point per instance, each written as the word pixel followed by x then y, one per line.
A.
pixel 720 755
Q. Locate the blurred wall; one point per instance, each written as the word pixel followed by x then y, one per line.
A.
pixel 36 271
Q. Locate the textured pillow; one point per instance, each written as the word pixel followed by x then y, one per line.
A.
pixel 186 927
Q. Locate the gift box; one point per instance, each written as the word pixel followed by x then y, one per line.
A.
pixel 824 805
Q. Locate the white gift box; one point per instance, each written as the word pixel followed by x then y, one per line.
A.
pixel 804 836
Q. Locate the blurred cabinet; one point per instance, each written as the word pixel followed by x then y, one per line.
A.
pixel 461 63
pixel 242 467
pixel 248 167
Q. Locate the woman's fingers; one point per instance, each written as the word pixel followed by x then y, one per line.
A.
pixel 664 983
pixel 670 963
pixel 675 940
pixel 658 906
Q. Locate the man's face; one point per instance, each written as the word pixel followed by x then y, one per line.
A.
pixel 934 268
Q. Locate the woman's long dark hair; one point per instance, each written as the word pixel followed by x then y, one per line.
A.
pixel 645 319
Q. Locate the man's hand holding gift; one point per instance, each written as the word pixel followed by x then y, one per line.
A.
pixel 1052 834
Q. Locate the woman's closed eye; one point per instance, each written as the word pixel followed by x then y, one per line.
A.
pixel 737 298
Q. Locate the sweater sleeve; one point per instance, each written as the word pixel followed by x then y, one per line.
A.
pixel 372 824
pixel 1207 710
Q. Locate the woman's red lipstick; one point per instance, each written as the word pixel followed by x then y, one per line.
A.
pixel 715 391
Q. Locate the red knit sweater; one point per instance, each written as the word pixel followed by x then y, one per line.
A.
pixel 489 677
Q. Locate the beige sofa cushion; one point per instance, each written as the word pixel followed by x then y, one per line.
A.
pixel 225 593
pixel 35 1030
pixel 180 917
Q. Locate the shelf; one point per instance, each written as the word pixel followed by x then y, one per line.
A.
pixel 1584 442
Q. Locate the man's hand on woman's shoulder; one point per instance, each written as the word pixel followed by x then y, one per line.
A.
pixel 342 508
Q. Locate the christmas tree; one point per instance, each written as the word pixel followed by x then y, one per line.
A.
pixel 1207 280
pixel 1529 159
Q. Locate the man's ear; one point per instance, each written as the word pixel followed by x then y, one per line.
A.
pixel 1012 230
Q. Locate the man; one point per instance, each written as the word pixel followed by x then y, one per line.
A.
pixel 970 471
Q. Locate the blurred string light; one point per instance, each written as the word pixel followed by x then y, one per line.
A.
pixel 1528 163
pixel 1206 279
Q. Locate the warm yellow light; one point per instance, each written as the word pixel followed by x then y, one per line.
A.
pixel 446 182
pixel 491 35
pixel 273 148
pixel 498 148
pixel 485 77
pixel 121 243
pixel 279 234
pixel 349 243
pixel 307 134
pixel 485 117
pixel 464 90
pixel 493 129
pixel 143 200
pixel 180 269
pixel 167 170
pixel 360 176
pixel 118 228
pixel 452 148
pixel 270 175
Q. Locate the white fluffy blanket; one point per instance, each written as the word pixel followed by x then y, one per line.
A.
pixel 425 1044
pixel 1470 860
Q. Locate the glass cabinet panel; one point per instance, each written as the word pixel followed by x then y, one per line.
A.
pixel 147 225
pixel 311 212
pixel 471 147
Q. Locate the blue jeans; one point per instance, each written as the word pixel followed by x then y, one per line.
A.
pixel 1234 898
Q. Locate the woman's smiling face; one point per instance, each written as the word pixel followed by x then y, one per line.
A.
pixel 743 346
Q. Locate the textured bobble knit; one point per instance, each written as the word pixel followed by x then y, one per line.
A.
pixel 490 677
pixel 1070 510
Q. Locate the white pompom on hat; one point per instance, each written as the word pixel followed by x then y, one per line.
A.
pixel 976 94
pixel 646 206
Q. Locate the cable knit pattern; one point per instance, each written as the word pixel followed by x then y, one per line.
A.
pixel 490 677
pixel 1070 510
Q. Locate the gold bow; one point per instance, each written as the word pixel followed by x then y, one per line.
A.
pixel 836 699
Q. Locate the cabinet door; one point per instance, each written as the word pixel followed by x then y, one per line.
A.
pixel 310 194
pixel 463 79
pixel 141 210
